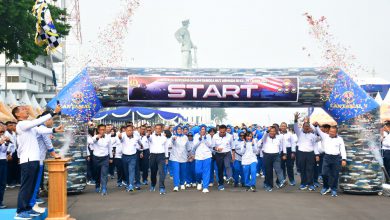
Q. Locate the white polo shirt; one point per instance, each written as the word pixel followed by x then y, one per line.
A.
pixel 272 145
pixel 307 142
pixel 332 146
pixel 226 142
pixel 129 144
pixel 102 146
pixel 26 136
pixel 288 140
pixel 158 144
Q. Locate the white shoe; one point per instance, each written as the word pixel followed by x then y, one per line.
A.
pixel 176 189
pixel 211 184
pixel 205 190
pixel 194 185
pixel 257 174
pixel 39 209
pixel 199 187
pixel 188 185
pixel 182 187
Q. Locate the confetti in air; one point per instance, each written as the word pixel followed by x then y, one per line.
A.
pixel 333 53
pixel 109 46
pixel 107 49
pixel 360 133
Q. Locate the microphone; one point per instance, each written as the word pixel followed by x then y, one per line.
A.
pixel 58 102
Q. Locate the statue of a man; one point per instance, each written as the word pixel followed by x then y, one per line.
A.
pixel 183 36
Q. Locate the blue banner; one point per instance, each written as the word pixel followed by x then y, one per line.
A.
pixel 78 98
pixel 348 100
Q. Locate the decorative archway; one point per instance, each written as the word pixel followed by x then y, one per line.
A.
pixel 333 90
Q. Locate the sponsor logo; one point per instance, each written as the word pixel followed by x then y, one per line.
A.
pixel 348 99
pixel 77 98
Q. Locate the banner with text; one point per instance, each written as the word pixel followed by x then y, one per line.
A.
pixel 212 88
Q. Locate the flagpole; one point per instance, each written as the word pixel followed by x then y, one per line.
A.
pixel 54 80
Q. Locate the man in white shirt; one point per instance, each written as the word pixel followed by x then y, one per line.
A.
pixel 89 153
pixel 273 148
pixel 139 156
pixel 289 143
pixel 117 157
pixel 102 152
pixel 45 145
pixel 29 154
pixel 111 166
pixel 334 149
pixel 145 154
pixel 223 145
pixel 130 144
pixel 308 153
pixel 5 146
pixel 158 144
pixel 12 162
pixel 318 166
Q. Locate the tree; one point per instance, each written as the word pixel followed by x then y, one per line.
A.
pixel 17 29
pixel 218 114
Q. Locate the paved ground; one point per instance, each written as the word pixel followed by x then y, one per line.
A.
pixel 233 203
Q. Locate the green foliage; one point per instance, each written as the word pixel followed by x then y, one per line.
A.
pixel 218 114
pixel 17 29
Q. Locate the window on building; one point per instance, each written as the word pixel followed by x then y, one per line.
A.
pixel 12 79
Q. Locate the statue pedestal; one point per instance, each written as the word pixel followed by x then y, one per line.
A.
pixel 57 204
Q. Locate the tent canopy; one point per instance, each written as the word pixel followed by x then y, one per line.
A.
pixel 124 113
pixel 374 88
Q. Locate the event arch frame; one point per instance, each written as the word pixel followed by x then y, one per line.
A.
pixel 356 113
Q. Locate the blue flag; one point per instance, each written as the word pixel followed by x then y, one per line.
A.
pixel 348 100
pixel 78 98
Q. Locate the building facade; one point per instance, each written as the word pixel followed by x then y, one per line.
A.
pixel 34 79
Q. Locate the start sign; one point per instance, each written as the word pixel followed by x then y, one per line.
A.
pixel 209 88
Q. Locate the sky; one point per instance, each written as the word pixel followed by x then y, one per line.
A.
pixel 246 33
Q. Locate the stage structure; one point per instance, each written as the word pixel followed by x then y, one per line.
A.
pixel 356 113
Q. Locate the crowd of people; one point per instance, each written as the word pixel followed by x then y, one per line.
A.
pixel 193 156
pixel 23 148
